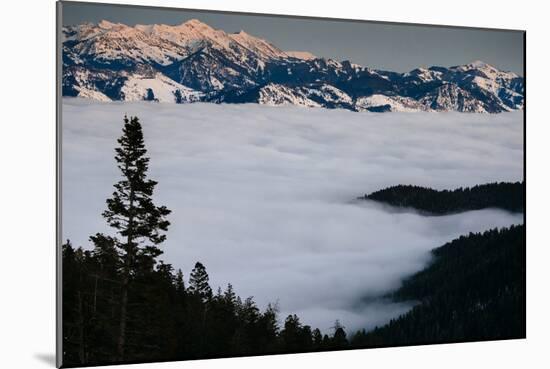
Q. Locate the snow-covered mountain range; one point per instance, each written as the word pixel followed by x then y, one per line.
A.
pixel 194 62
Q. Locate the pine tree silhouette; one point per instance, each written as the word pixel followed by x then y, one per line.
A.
pixel 131 211
pixel 198 282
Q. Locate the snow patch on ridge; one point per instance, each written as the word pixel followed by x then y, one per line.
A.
pixel 394 103
pixel 274 94
pixel 163 89
pixel 304 55
pixel 86 93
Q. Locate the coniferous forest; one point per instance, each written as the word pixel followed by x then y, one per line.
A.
pixel 506 196
pixel 473 290
pixel 122 303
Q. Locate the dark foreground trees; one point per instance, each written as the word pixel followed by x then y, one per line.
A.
pixel 166 319
pixel 121 266
pixel 473 290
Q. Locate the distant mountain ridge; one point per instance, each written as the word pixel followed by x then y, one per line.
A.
pixel 194 62
pixel 508 196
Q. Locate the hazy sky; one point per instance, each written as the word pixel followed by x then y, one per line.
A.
pixel 385 46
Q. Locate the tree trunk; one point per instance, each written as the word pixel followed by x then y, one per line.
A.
pixel 123 311
pixel 81 349
pixel 95 295
pixel 125 280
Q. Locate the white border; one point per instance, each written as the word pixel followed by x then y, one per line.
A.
pixel 27 323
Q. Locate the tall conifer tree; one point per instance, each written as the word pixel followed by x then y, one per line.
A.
pixel 198 282
pixel 140 224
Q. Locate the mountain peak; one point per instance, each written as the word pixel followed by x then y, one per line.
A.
pixel 262 48
pixel 146 28
pixel 105 24
pixel 195 23
pixel 487 70
pixel 479 64
pixel 304 55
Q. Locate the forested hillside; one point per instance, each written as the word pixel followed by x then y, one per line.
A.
pixel 168 319
pixel 507 196
pixel 473 290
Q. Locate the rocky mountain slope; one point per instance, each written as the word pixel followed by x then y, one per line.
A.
pixel 194 62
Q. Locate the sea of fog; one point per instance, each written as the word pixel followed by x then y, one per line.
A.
pixel 264 196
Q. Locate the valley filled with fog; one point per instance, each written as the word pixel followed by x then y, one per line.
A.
pixel 265 196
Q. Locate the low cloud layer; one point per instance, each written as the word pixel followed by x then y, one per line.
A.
pixel 264 196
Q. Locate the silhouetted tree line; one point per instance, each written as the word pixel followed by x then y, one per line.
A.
pixel 168 319
pixel 122 304
pixel 473 290
pixel 507 196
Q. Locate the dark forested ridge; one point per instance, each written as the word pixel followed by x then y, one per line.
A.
pixel 168 319
pixel 121 304
pixel 473 290
pixel 503 195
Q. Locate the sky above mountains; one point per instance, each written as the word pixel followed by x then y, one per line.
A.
pixel 395 47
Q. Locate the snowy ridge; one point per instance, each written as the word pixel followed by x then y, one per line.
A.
pixel 304 55
pixel 450 97
pixel 86 93
pixel 389 103
pixel 157 88
pixel 311 96
pixel 192 62
pixel 274 94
